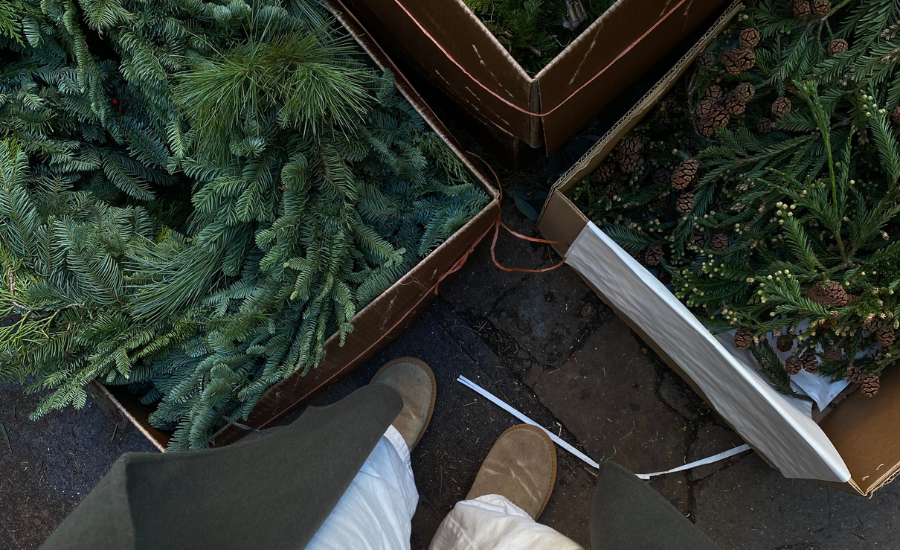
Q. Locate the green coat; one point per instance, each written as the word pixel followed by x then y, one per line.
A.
pixel 274 492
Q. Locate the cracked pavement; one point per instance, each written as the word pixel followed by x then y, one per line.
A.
pixel 544 343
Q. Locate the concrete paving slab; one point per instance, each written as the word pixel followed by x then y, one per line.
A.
pixel 476 288
pixel 750 506
pixel 605 394
pixel 544 315
pixel 712 439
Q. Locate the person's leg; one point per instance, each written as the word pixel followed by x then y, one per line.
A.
pixel 376 511
pixel 510 491
pixel 382 494
pixel 628 514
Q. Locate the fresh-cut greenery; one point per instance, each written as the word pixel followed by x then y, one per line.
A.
pixel 194 196
pixel 536 31
pixel 764 188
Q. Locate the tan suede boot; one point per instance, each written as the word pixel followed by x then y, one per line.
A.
pixel 521 467
pixel 415 382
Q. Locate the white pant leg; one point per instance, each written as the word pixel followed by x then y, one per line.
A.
pixel 376 510
pixel 492 522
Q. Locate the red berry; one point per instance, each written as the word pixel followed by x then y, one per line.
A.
pixel 115 102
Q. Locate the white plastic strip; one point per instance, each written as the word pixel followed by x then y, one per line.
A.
pixel 715 458
pixel 587 460
pixel 490 397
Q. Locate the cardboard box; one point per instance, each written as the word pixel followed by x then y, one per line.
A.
pixel 376 325
pixel 447 43
pixel 855 448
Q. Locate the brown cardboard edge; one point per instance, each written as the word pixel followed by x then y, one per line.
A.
pixel 504 79
pixel 378 55
pixel 438 261
pixel 596 154
pixel 129 406
pixel 854 425
pixel 600 21
pixel 561 220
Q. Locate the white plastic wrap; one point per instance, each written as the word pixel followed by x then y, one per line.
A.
pixel 777 425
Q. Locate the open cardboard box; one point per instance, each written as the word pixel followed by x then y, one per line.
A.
pixel 376 325
pixel 447 43
pixel 855 448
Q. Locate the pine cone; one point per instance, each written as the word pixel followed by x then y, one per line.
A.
pixel 706 107
pixel 745 91
pixel 838 45
pixel 801 9
pixel 870 384
pixel 832 353
pixel 781 107
pixel 662 177
pixel 793 365
pixel 605 173
pixel 719 118
pixel 706 60
pixel 885 337
pixel 765 125
pixel 785 342
pixel 631 164
pixel 738 60
pixel 734 105
pixel 685 173
pixel 653 255
pixel 719 242
pixel 714 92
pixel 829 293
pixel 614 186
pixel 743 338
pixel 820 7
pixel 809 361
pixel 699 238
pixel 630 146
pixel 685 203
pixel 895 117
pixel 749 38
pixel 853 374
pixel 706 127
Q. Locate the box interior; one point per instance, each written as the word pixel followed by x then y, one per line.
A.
pixel 603 61
pixel 862 429
pixel 377 324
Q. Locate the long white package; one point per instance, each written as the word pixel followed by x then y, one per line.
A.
pixel 777 425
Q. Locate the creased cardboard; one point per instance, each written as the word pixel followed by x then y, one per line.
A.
pixel 861 432
pixel 376 325
pixel 619 47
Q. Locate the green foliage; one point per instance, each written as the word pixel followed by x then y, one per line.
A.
pixel 532 31
pixel 196 196
pixel 783 206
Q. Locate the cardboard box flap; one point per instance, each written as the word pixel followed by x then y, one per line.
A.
pixel 619 47
pixel 466 40
pixel 596 154
pixel 778 426
pixel 865 431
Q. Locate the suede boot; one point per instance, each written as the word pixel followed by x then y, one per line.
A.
pixel 521 467
pixel 414 380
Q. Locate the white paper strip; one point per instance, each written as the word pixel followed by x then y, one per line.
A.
pixel 490 397
pixel 715 458
pixel 508 408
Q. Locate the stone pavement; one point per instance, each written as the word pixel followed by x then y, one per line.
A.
pixel 544 343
